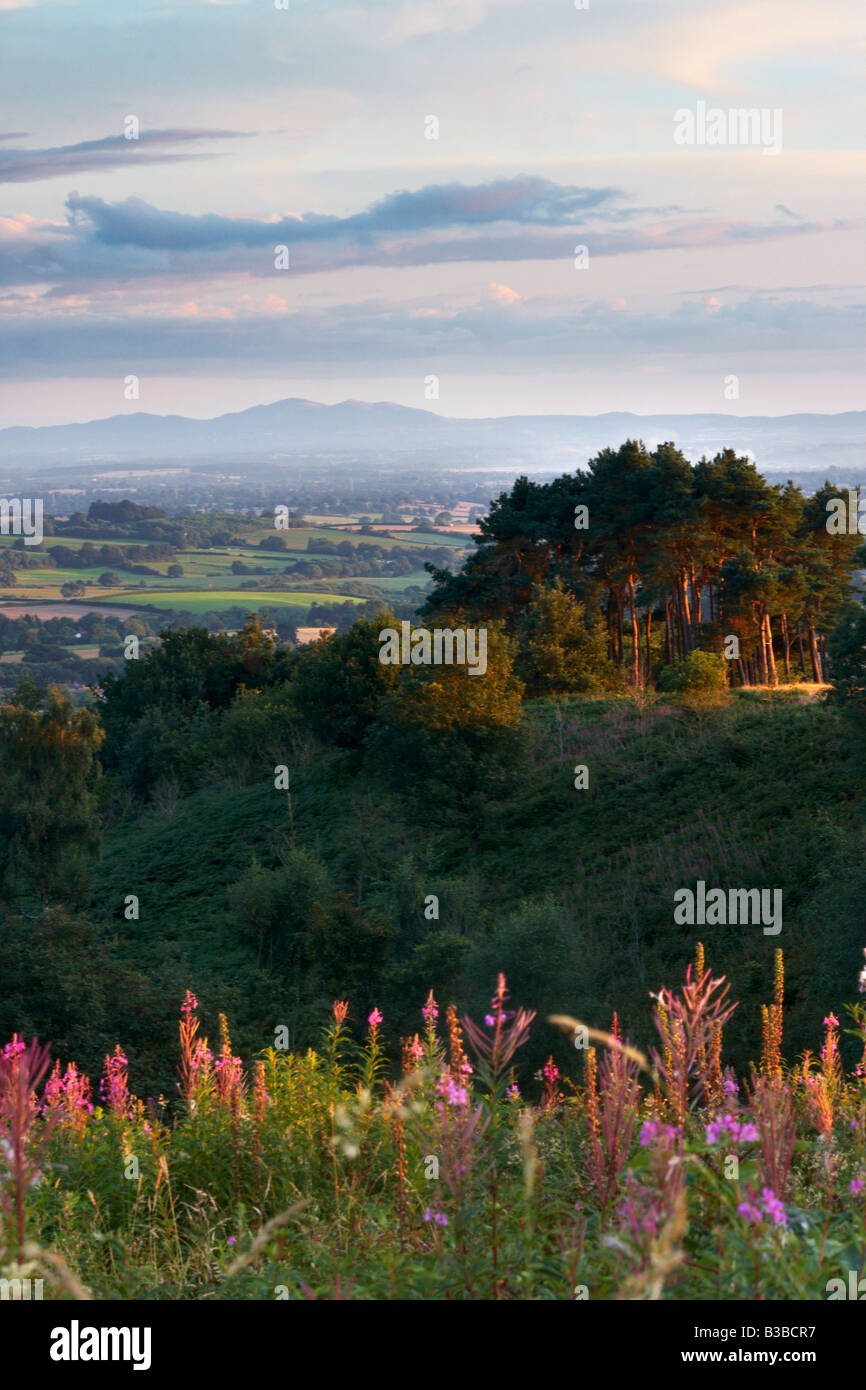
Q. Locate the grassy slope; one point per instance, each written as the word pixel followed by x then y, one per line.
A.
pixel 570 892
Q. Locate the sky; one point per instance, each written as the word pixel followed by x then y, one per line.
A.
pixel 231 203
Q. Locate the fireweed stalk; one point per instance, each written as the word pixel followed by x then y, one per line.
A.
pixel 690 1027
pixel 21 1070
pixel 494 1055
pixel 612 1096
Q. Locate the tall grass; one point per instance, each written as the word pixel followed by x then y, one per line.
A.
pixel 329 1174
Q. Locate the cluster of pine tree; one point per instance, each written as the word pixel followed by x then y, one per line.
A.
pixel 667 558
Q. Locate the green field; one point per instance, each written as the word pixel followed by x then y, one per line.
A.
pixel 208 584
pixel 207 600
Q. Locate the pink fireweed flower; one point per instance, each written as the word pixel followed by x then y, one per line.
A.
pixel 490 1020
pixel 856 1186
pixel 375 1018
pixel 773 1207
pixel 512 1092
pixel 448 1088
pixel 190 1003
pixel 649 1132
pixel 551 1070
pixel 653 1131
pixel 430 1010
pixel 750 1212
pixel 831 1021
pixel 67 1097
pixel 114 1086
pixel 725 1127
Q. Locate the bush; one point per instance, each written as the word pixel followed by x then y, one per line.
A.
pixel 702 673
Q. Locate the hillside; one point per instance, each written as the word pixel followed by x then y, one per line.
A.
pixel 569 892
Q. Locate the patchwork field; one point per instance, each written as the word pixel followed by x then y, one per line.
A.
pixel 206 600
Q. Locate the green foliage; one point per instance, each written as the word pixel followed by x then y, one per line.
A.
pixel 562 645
pixel 340 683
pixel 700 673
pixel 49 829
pixel 157 713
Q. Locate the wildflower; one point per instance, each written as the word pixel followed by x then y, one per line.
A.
pixel 856 1186
pixel 341 1008
pixel 831 1021
pixel 375 1018
pixel 773 1207
pixel 731 1086
pixel 649 1132
pixel 512 1092
pixel 438 1217
pixel 453 1093
pixel 551 1070
pixel 231 1240
pixel 750 1212
pixel 725 1126
pixel 490 1020
pixel 189 1004
pixel 114 1086
pixel 430 1010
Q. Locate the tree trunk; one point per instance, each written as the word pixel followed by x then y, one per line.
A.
pixel 786 638
pixel 771 658
pixel 635 635
pixel 687 617
pixel 802 652
pixel 816 660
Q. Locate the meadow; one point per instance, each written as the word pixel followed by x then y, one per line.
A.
pixel 329 1174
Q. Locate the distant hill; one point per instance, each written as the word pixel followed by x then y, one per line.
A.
pixel 293 426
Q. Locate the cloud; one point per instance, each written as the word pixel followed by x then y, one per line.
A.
pixel 502 294
pixel 509 220
pixel 525 201
pixel 388 337
pixel 103 248
pixel 702 46
pixel 420 18
pixel 27 166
